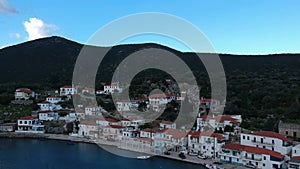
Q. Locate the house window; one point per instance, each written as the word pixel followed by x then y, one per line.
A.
pixel 265 158
pixel 261 140
pixel 248 138
pixel 295 134
pixel 25 122
pixel 254 139
pixel 264 164
pixel 243 137
pixel 256 163
pixel 286 132
pixel 273 141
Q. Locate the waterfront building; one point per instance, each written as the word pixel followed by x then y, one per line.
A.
pixel 268 140
pixel 29 124
pixel 205 143
pixel 253 157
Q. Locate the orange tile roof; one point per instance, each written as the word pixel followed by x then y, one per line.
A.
pixel 272 134
pixel 199 134
pixel 176 134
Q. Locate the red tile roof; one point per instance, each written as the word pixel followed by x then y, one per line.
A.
pixel 176 134
pixel 27 118
pixel 154 130
pixel 44 102
pixel 107 119
pixel 272 135
pixel 24 90
pixel 220 119
pixel 160 95
pixel 46 111
pixel 199 134
pixel 115 127
pixel 296 157
pixel 67 86
pixel 166 122
pixel 253 150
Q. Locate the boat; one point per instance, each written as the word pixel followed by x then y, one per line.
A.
pixel 143 157
pixel 70 143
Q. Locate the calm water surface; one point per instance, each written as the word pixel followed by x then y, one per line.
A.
pixel 53 154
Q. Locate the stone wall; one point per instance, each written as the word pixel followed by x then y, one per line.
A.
pixel 289 129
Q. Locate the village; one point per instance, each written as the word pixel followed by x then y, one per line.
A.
pixel 217 137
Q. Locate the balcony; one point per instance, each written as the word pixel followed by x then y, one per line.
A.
pixel 253 158
pixel 259 142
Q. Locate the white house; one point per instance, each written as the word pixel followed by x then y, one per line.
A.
pixel 29 124
pixel 167 125
pixel 93 110
pixel 133 122
pixel 268 140
pixel 204 143
pixel 45 105
pixel 89 128
pixel 294 163
pixel 251 156
pixel 23 94
pixel 218 122
pixel 53 99
pixel 126 105
pixel 169 140
pixel 111 88
pixel 156 101
pixel 113 132
pixel 67 90
pixel 102 121
pixel 48 115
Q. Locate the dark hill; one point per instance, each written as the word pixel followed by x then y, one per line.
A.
pixel 265 86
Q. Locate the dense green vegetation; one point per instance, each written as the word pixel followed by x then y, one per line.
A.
pixel 264 89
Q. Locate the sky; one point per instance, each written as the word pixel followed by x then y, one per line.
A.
pixel 232 26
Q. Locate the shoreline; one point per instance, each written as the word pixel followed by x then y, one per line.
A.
pixel 62 137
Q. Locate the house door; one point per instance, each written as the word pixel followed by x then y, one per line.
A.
pixel 230 159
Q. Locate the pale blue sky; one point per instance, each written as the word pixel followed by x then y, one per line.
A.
pixel 232 26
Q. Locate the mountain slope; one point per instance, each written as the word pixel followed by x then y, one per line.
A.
pixel 266 86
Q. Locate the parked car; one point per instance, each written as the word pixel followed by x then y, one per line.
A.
pixel 202 157
pixel 167 153
pixel 250 166
pixel 193 154
pixel 182 156
pixel 217 163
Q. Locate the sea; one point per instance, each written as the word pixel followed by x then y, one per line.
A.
pixel 17 153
